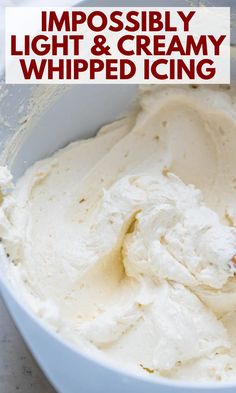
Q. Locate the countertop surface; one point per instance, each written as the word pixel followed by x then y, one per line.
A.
pixel 18 371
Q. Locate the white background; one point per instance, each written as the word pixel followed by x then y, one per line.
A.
pixel 205 21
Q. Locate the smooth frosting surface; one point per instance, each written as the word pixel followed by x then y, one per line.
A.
pixel 125 243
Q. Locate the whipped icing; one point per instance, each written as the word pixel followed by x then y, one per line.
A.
pixel 124 243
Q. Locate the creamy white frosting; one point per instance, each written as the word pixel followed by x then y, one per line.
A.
pixel 124 243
